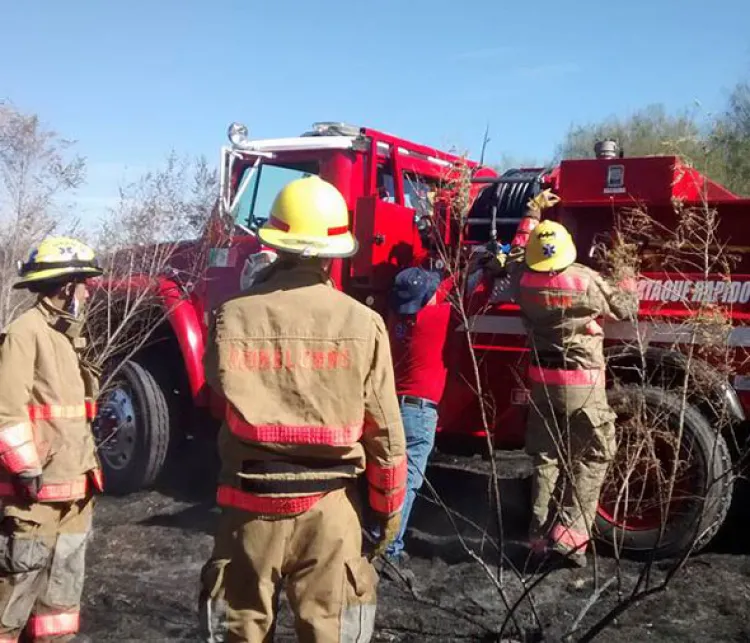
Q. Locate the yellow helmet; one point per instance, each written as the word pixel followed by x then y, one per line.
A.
pixel 57 259
pixel 309 217
pixel 550 248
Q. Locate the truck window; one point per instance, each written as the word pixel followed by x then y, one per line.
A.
pixel 419 193
pixel 262 187
pixel 385 185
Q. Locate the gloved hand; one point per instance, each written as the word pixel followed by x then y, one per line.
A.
pixel 29 484
pixel 389 526
pixel 502 255
pixel 543 200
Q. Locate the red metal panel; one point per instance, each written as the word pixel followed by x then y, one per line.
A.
pixel 643 180
pixel 585 182
pixel 415 147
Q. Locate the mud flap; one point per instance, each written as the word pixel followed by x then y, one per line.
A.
pixel 358 607
pixel 211 604
pixel 21 562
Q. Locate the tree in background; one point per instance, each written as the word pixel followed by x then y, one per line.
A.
pixel 730 139
pixel 37 169
pixel 151 240
pixel 648 131
pixel 509 162
pixel 169 204
pixel 719 147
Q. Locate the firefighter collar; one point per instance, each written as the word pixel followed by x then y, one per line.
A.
pixel 63 323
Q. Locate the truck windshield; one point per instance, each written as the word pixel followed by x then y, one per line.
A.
pixel 261 185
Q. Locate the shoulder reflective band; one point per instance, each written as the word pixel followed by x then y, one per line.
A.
pixel 524 229
pixel 284 505
pixel 62 411
pixel 17 449
pixel 387 478
pixel 564 377
pixel 527 224
pixel 56 624
pixel 542 280
pixel 285 434
pixel 386 504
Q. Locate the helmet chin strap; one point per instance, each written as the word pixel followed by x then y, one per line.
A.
pixel 73 307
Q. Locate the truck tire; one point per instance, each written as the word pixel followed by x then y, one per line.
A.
pixel 132 430
pixel 634 522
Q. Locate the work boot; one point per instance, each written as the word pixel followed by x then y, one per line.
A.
pixel 568 557
pixel 545 556
pixel 395 568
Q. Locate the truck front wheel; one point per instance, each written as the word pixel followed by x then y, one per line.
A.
pixel 132 430
pixel 670 485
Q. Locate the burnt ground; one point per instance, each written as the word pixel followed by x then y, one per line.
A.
pixel 147 550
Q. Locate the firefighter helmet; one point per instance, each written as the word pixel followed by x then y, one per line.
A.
pixel 57 259
pixel 550 248
pixel 309 217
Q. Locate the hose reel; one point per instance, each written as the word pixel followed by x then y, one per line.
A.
pixel 499 207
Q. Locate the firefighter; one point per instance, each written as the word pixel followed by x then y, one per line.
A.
pixel 50 469
pixel 307 376
pixel 570 431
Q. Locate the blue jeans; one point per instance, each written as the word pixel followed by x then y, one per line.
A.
pixel 419 425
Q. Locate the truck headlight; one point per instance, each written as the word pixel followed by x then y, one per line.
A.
pixel 238 134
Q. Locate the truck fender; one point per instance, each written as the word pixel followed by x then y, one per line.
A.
pixel 186 324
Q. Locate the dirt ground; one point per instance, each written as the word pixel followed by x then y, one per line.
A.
pixel 148 548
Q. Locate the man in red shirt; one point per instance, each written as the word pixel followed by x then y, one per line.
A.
pixel 418 328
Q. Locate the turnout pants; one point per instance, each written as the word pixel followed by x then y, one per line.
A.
pixel 331 587
pixel 571 436
pixel 42 564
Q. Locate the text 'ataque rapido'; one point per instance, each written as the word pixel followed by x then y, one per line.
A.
pixel 686 290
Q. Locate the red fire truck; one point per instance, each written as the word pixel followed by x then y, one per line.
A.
pixel 395 191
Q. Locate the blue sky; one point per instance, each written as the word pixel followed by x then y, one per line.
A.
pixel 132 80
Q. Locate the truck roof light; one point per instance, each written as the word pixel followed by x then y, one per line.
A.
pixel 333 128
pixel 238 134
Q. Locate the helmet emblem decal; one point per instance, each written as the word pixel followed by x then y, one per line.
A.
pixel 548 249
